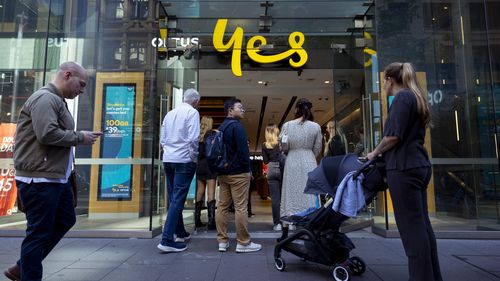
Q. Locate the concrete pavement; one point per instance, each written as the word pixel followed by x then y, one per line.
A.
pixel 138 259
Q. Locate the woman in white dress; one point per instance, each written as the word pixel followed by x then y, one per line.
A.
pixel 304 143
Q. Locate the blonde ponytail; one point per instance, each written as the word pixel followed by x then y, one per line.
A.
pixel 404 74
pixel 410 81
pixel 271 135
pixel 206 124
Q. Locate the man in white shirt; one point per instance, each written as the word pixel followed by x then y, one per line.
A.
pixel 179 138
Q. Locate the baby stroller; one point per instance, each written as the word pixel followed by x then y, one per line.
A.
pixel 317 238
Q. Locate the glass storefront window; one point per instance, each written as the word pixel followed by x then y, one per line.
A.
pixel 454 57
pixel 24 64
pixel 453 45
pixel 114 9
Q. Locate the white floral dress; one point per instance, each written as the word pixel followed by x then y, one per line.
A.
pixel 305 143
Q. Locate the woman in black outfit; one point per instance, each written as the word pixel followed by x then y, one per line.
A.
pixel 334 145
pixel 409 170
pixel 271 154
pixel 205 179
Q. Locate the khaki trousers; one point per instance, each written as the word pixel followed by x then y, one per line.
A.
pixel 233 188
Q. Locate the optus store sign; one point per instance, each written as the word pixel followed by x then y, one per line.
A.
pixel 295 40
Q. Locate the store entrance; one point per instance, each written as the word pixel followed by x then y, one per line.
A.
pixel 269 97
pixel 339 78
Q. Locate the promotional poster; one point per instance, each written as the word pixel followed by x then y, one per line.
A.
pixel 117 140
pixel 8 190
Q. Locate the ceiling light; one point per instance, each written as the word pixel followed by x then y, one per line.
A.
pixel 327 82
pixel 261 82
pixel 192 82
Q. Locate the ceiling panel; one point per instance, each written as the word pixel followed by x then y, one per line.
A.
pixel 253 9
pixel 281 87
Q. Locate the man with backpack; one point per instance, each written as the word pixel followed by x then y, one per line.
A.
pixel 234 179
pixel 179 138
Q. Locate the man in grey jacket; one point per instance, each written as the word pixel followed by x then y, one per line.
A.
pixel 43 158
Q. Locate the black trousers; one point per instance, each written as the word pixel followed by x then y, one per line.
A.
pixel 49 214
pixel 274 180
pixel 409 197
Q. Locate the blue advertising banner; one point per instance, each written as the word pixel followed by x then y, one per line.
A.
pixel 115 181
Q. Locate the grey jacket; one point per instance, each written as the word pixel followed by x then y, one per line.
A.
pixel 44 135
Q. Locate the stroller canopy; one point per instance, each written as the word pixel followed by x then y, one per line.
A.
pixel 330 172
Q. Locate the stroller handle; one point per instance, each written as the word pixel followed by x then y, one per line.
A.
pixel 365 165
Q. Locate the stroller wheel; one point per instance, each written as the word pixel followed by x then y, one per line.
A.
pixel 339 273
pixel 357 265
pixel 279 263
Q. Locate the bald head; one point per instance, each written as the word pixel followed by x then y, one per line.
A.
pixel 71 66
pixel 70 79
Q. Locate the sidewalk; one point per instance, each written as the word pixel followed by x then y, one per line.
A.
pixel 138 259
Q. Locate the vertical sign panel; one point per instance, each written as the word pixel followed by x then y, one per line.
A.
pixel 118 126
pixel 8 190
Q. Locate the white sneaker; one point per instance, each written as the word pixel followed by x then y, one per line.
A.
pixel 172 247
pixel 223 246
pixel 252 247
pixel 277 227
pixel 182 239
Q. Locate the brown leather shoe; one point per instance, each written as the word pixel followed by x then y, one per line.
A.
pixel 13 273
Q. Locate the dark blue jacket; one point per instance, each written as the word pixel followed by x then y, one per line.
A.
pixel 236 141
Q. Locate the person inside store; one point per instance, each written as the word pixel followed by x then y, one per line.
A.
pixel 360 145
pixel 271 155
pixel 43 159
pixel 304 145
pixel 235 181
pixel 333 145
pixel 180 132
pixel 408 169
pixel 205 179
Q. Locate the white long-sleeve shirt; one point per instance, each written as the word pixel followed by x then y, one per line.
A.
pixel 180 131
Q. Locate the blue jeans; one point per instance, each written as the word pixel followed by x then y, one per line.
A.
pixel 179 177
pixel 49 214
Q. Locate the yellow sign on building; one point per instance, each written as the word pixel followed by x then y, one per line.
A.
pixel 295 40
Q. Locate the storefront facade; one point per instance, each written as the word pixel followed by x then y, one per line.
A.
pixel 142 54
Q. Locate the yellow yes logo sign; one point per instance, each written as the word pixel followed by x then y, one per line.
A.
pixel 295 40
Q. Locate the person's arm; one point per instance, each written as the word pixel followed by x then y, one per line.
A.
pixel 163 132
pixel 45 115
pixel 387 143
pixel 318 142
pixel 397 122
pixel 241 144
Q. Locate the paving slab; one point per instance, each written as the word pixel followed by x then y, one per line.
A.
pixel 86 259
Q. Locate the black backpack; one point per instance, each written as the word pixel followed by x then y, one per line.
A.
pixel 218 159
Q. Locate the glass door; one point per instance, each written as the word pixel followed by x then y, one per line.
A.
pixel 176 74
